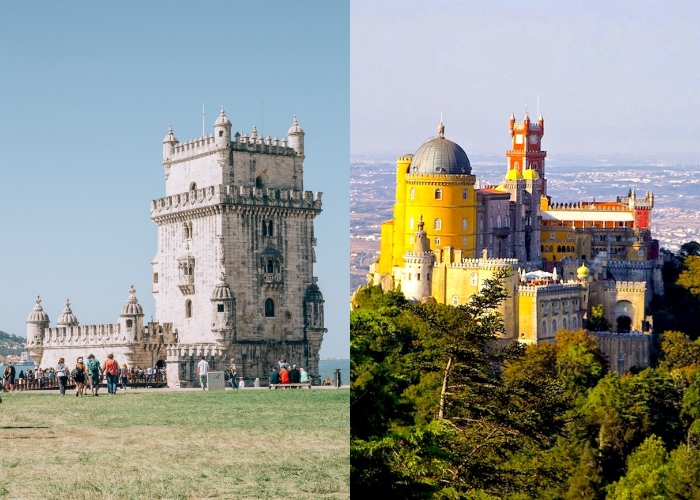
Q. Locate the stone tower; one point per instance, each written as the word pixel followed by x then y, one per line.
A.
pixel 233 275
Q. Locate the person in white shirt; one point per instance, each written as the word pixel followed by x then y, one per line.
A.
pixel 203 367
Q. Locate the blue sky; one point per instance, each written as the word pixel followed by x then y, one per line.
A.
pixel 87 91
pixel 612 76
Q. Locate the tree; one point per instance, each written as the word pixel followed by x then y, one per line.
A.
pixel 647 470
pixel 690 276
pixel 677 351
pixel 597 321
pixel 691 248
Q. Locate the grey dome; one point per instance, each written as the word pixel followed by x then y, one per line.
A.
pixel 438 155
pixel 221 290
pixel 222 119
pixel 67 318
pixel 38 315
pixel 132 306
pixel 313 294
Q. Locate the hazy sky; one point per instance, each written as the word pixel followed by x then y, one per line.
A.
pixel 87 91
pixel 612 76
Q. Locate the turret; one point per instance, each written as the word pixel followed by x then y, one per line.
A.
pixel 131 317
pixel 418 267
pixel 169 144
pixel 296 137
pixel 511 124
pixel 224 309
pixel 222 130
pixel 37 321
pixel 540 122
pixel 67 318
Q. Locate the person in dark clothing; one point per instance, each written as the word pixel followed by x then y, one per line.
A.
pixel 294 375
pixel 274 376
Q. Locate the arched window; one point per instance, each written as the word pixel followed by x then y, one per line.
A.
pixel 554 326
pixel 230 158
pixel 474 279
pixel 481 223
pixel 129 323
pixel 464 224
pixel 534 166
pixel 413 194
pixel 465 194
pixel 270 266
pixel 464 241
pixel 564 324
pixel 491 222
pixel 544 328
pixel 188 308
pixel 437 224
pixel 437 241
pixel 438 194
pixel 410 223
pixel 269 308
pixel 269 228
pixel 517 166
pixel 498 221
pixel 455 300
pixel 190 270
pixel 264 228
pixel 259 182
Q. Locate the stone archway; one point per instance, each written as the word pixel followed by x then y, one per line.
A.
pixel 624 324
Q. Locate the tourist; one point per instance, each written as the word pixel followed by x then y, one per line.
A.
pixel 241 384
pixel 203 368
pixel 232 365
pixel 79 374
pixel 283 364
pixel 62 376
pixel 234 379
pixel 125 375
pixel 284 375
pixel 257 382
pixel 274 377
pixel 327 381
pixel 294 375
pixel 94 372
pixel 303 376
pixel 111 368
pixel 8 377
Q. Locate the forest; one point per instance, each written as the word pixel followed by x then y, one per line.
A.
pixel 438 410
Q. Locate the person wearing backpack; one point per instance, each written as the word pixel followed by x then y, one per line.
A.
pixel 62 376
pixel 79 374
pixel 93 367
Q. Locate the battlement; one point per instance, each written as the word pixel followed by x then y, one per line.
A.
pixel 533 127
pixel 181 350
pixel 600 207
pixel 630 264
pixel 252 144
pixel 625 286
pixel 549 288
pixel 86 335
pixel 236 195
pixel 487 264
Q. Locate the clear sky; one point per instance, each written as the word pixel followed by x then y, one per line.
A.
pixel 612 76
pixel 87 91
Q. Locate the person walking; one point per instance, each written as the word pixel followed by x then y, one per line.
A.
pixel 203 368
pixel 234 379
pixel 62 376
pixel 8 377
pixel 79 375
pixel 112 370
pixel 94 373
pixel 125 375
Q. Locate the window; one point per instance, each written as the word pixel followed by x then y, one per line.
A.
pixel 455 300
pixel 437 224
pixel 269 308
pixel 554 326
pixel 464 241
pixel 230 158
pixel 437 240
pixel 155 277
pixel 438 194
pixel 568 236
pixel 418 277
pixel 187 232
pixel 498 222
pixel 413 194
pixel 258 182
pixel 640 252
pixel 188 309
pixel 129 323
pixel 264 228
pixel 220 308
pixel 544 328
pixel 193 186
pixel 410 223
pixel 465 194
pixel 474 279
pixel 221 133
pixel 270 266
pixel 464 224
pixel 552 236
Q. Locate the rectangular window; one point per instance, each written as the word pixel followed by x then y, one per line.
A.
pixel 220 308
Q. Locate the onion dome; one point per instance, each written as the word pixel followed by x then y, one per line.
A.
pixel 501 187
pixel 67 318
pixel 313 294
pixel 222 119
pixel 38 315
pixel 221 290
pixel 132 306
pixel 531 174
pixel 438 155
pixel 295 128
pixel 582 272
pixel 514 175
pixel 170 137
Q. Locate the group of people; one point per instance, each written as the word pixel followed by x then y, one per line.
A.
pixel 288 374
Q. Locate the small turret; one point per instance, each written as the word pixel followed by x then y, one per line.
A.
pixel 37 321
pixel 511 124
pixel 296 137
pixel 418 267
pixel 131 317
pixel 169 144
pixel 222 130
pixel 67 318
pixel 224 308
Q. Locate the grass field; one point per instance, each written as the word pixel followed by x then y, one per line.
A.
pixel 234 444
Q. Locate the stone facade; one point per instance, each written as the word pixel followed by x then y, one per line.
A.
pixel 233 275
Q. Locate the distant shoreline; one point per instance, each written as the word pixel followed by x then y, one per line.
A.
pixel 334 359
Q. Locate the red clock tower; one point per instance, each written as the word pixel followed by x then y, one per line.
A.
pixel 525 152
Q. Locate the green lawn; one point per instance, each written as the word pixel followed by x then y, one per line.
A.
pixel 234 444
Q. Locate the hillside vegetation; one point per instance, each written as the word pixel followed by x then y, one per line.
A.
pixel 11 344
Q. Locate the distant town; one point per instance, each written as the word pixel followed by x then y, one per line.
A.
pixel 674 179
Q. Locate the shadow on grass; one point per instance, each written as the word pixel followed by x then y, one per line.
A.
pixel 25 427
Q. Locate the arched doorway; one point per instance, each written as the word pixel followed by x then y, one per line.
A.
pixel 624 324
pixel 160 364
